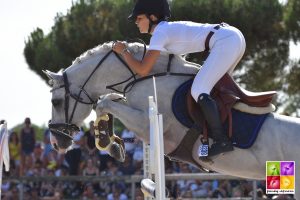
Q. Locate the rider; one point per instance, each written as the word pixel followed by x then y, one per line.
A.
pixel 225 43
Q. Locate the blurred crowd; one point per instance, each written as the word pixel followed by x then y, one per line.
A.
pixel 29 157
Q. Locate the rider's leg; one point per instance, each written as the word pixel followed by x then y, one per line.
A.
pixel 223 57
pixel 210 111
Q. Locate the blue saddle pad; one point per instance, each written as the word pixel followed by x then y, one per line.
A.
pixel 245 126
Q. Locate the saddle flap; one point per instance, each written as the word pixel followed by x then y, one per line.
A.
pixel 226 85
pixel 193 109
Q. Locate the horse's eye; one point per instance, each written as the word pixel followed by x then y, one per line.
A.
pixel 55 102
pixel 51 82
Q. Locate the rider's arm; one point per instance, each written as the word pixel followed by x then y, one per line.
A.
pixel 144 66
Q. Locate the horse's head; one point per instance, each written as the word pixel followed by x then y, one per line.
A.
pixel 74 92
pixel 70 106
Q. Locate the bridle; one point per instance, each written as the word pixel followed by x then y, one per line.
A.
pixel 67 128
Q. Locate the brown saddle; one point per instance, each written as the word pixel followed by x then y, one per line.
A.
pixel 226 93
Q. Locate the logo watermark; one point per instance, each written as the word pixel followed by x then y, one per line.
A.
pixel 280 177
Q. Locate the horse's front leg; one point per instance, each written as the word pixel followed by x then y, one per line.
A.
pixel 133 119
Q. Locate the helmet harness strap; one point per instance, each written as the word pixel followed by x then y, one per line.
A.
pixel 151 23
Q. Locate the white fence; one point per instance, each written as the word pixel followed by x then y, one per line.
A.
pixel 131 180
pixel 154 165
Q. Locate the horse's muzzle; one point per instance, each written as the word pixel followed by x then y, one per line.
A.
pixel 64 129
pixel 63 135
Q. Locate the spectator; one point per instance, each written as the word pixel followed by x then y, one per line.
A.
pixel 90 169
pixel 112 169
pixel 72 190
pixel 237 191
pixel 50 161
pixel 73 156
pixel 200 189
pixel 187 194
pixel 27 142
pixel 47 143
pixel 12 194
pixel 246 186
pixel 129 141
pixel 218 194
pixel 184 185
pixel 89 140
pixel 61 170
pixel 138 155
pixel 127 168
pixel 89 193
pixel 117 193
pixel 38 169
pixel 47 189
pixel 28 167
pixel 14 151
pixel 139 194
pixel 226 189
pixel 260 194
pixel 103 158
pixel 37 155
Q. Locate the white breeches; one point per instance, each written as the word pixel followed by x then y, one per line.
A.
pixel 227 47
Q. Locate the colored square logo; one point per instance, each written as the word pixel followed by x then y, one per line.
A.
pixel 280 177
pixel 287 182
pixel 287 168
pixel 273 182
pixel 273 168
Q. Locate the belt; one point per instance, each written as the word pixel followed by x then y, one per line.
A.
pixel 210 34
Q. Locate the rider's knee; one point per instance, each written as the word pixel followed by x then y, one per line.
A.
pixel 196 91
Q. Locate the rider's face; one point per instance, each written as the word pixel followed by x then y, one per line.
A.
pixel 142 23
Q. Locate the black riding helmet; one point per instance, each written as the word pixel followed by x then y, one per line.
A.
pixel 159 8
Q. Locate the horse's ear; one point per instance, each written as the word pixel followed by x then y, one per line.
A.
pixel 53 77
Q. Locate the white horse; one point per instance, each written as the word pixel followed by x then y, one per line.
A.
pixel 87 79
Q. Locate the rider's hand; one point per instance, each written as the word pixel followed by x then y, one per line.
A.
pixel 119 47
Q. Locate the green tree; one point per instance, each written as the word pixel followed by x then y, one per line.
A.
pixel 87 24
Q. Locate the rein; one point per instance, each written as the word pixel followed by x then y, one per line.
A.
pixel 167 73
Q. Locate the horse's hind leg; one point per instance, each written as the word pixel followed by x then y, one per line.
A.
pixel 135 120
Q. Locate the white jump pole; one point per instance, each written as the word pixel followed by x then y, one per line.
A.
pixel 157 165
pixel 154 165
pixel 4 150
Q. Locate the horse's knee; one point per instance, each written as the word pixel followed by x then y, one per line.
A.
pixel 101 107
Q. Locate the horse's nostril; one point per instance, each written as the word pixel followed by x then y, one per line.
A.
pixel 55 146
pixel 55 102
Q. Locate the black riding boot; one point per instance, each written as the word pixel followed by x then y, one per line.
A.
pixel 210 111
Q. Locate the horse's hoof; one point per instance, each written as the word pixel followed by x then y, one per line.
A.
pixel 148 188
pixel 117 151
pixel 102 141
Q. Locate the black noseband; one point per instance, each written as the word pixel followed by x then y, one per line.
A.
pixel 64 129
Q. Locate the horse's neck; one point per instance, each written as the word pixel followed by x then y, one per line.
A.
pixel 113 71
pixel 104 75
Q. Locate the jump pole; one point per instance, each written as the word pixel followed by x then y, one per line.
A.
pixel 154 165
